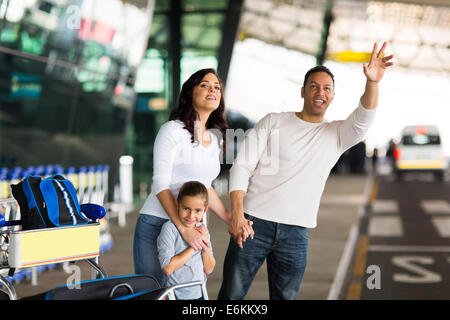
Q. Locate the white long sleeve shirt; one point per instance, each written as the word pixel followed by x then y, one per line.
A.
pixel 284 162
pixel 177 160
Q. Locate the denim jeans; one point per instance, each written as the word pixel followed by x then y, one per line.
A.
pixel 284 246
pixel 145 249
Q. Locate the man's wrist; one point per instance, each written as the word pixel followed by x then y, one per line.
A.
pixel 237 214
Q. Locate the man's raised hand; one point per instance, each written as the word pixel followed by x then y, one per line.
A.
pixel 377 64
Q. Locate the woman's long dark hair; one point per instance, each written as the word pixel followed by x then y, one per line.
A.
pixel 186 113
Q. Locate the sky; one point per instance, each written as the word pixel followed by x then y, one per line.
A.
pixel 264 78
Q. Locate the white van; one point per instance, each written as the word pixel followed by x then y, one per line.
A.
pixel 420 149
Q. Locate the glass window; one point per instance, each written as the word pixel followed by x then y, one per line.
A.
pixel 199 5
pixel 201 23
pixel 67 72
pixel 421 139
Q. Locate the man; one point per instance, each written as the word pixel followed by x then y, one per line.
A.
pixel 288 157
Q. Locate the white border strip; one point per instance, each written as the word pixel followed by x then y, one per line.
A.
pixel 344 263
pixel 349 248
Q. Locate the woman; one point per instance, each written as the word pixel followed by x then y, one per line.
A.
pixel 187 147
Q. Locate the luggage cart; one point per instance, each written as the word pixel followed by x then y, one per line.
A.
pixel 165 293
pixel 24 249
pixel 129 287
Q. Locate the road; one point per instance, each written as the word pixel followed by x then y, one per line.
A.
pixel 403 248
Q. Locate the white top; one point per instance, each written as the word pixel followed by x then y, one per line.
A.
pixel 288 161
pixel 177 160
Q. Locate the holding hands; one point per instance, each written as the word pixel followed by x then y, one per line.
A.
pixel 240 229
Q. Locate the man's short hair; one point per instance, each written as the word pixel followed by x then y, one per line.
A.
pixel 317 69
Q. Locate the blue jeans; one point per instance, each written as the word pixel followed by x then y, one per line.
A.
pixel 145 249
pixel 284 246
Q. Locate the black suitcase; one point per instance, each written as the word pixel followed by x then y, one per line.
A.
pixel 164 293
pixel 152 294
pixel 101 289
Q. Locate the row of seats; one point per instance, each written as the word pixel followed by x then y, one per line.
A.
pixel 90 182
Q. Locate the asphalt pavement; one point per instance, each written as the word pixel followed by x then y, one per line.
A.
pixel 403 247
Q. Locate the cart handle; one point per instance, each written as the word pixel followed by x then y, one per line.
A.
pixel 93 211
pixel 4 223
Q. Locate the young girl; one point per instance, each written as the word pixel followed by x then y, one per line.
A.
pixel 180 262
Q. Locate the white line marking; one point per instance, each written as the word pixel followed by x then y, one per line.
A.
pixel 442 224
pixel 344 263
pixel 343 199
pixel 435 206
pixel 385 206
pixel 385 227
pixel 393 248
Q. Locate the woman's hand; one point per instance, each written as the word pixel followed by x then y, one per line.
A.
pixel 194 238
pixel 204 232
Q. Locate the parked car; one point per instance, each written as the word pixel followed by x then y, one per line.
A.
pixel 420 150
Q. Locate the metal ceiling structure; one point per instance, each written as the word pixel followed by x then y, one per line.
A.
pixel 418 32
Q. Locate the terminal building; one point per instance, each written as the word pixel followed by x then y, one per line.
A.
pixel 84 82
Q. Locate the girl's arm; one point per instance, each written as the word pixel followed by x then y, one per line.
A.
pixel 208 261
pixel 207 257
pixel 178 261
